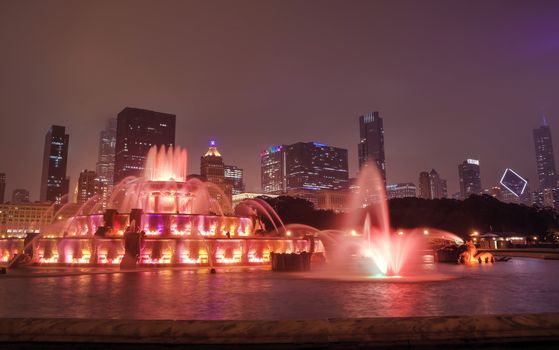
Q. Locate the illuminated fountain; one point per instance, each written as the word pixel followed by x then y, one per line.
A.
pixel 175 221
pixel 165 218
pixel 370 247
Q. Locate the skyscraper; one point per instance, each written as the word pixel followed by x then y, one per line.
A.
pixel 272 168
pixel 470 180
pixel 444 188
pixel 106 156
pixel 212 169
pixel 315 166
pixel 106 161
pixel 87 185
pixel 54 183
pixel 437 185
pixel 304 166
pixel 371 142
pixel 2 187
pixel 424 185
pixel 545 159
pixel 137 130
pixel 20 195
pixel 431 186
pixel 234 176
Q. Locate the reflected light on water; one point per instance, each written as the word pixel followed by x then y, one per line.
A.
pixel 518 286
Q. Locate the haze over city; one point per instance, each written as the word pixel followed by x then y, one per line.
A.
pixel 451 80
pixel 247 174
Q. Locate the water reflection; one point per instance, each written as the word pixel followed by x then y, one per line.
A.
pixel 521 285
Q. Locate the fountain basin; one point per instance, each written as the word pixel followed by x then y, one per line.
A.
pixel 156 251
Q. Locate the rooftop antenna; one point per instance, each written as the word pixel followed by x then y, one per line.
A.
pixel 544 119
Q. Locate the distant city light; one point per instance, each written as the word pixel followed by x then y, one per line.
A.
pixel 473 161
pixel 271 150
pixel 317 144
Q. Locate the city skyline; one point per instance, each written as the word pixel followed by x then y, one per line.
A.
pixel 425 126
pixel 354 172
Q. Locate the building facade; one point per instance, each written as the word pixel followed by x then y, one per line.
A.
pixel 304 166
pixel 54 182
pixel 371 142
pixel 338 201
pixel 234 177
pixel 424 185
pixel 315 166
pixel 87 186
pixel 437 186
pixel 17 219
pixel 20 195
pixel 272 167
pixel 431 186
pixel 106 156
pixel 137 131
pixel 401 190
pixel 106 161
pixel 470 179
pixel 545 158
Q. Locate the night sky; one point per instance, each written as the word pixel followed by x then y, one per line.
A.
pixel 452 79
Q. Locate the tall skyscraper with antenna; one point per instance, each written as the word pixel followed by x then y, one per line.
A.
pixel 545 158
pixel 371 142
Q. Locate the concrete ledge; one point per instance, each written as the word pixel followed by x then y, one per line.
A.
pixel 387 332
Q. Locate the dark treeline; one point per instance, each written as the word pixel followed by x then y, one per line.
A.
pixel 300 211
pixel 479 213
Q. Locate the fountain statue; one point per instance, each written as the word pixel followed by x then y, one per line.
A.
pixel 471 255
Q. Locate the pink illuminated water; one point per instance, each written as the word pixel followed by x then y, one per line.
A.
pixel 164 188
pixel 376 241
pixel 370 246
pixel 166 164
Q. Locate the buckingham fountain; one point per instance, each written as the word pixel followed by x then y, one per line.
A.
pixel 162 218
